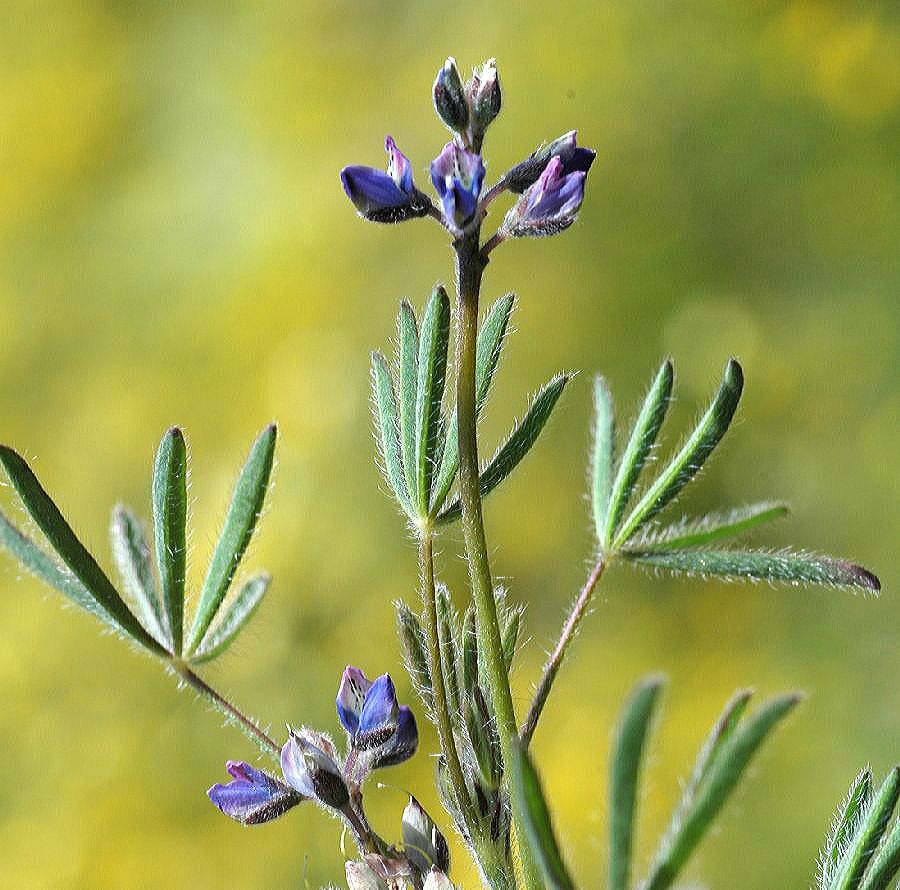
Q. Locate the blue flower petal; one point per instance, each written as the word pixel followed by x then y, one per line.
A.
pixel 351 696
pixel 380 707
pixel 402 744
pixel 253 797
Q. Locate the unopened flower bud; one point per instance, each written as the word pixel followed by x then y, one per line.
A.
pixel 574 159
pixel 309 764
pixel 437 880
pixel 361 877
pixel 450 97
pixel 484 96
pixel 424 844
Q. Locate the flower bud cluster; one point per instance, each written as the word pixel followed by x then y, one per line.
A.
pixel 551 180
pixel 380 733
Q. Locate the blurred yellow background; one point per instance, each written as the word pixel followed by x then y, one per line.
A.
pixel 175 247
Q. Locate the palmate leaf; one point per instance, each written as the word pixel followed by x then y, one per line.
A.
pixel 640 444
pixel 96 592
pixel 517 445
pixel 870 827
pixel 723 762
pixel 760 565
pixel 243 514
pixel 132 556
pixel 231 620
pixel 682 468
pixel 844 826
pixel 628 748
pixel 532 811
pixel 169 494
pixel 491 335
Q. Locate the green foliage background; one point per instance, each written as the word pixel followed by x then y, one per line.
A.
pixel 175 247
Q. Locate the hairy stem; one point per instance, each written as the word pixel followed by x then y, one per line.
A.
pixel 439 691
pixel 470 267
pixel 551 668
pixel 264 742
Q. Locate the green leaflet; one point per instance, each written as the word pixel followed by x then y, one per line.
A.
pixel 447 632
pixel 169 493
pixel 886 863
pixel 870 827
pixel 415 654
pixel 690 458
pixel 469 650
pixel 34 560
pixel 628 747
pixel 720 775
pixel 640 443
pixel 709 528
pixel 432 368
pixel 243 513
pixel 511 630
pixel 707 758
pixel 780 565
pixel 844 826
pixel 517 445
pixel 602 454
pixel 388 420
pixel 408 348
pixel 531 810
pixel 96 586
pixel 232 619
pixel 132 556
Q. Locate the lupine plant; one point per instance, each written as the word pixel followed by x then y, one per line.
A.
pixel 427 402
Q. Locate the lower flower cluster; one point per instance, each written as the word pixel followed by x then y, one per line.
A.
pixel 379 733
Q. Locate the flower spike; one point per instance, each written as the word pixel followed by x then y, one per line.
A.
pixel 385 197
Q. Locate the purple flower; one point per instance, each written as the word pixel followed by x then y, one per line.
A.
pixel 574 159
pixel 253 796
pixel 309 762
pixel 549 206
pixel 376 724
pixel 457 175
pixel 385 197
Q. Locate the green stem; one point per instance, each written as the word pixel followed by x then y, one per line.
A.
pixel 565 638
pixel 265 743
pixel 439 691
pixel 470 267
